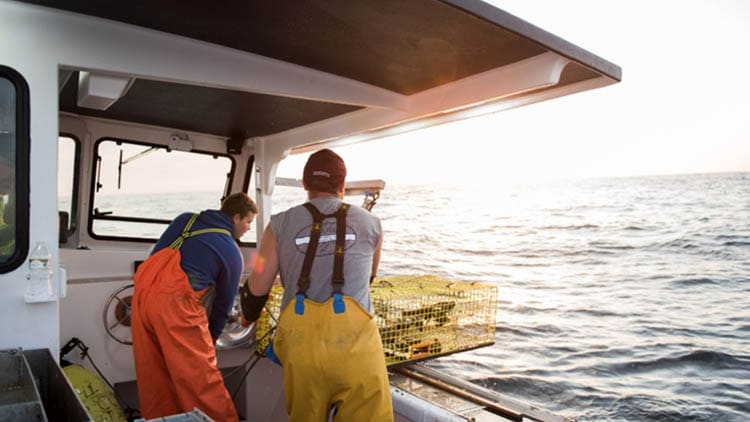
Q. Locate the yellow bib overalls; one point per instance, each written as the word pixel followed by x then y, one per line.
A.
pixel 331 352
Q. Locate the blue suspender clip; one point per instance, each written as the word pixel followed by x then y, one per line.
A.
pixel 299 304
pixel 338 303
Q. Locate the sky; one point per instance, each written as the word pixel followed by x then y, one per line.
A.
pixel 682 105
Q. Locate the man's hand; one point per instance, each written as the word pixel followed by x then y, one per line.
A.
pixel 243 322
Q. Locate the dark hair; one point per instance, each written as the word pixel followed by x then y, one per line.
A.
pixel 321 185
pixel 238 203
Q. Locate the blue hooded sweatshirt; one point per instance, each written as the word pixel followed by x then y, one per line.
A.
pixel 209 259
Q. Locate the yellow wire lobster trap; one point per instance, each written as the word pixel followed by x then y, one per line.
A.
pixel 426 316
pixel 418 316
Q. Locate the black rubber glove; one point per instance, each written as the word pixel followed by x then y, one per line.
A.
pixel 251 305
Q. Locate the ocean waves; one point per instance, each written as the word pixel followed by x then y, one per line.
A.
pixel 676 390
pixel 619 299
pixel 699 360
pixel 692 282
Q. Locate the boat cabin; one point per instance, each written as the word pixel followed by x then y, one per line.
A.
pixel 117 116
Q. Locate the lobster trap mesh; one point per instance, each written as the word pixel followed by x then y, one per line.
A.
pixel 269 317
pixel 418 316
pixel 425 316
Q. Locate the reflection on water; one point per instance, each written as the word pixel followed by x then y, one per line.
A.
pixel 620 298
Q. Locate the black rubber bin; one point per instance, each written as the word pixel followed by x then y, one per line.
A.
pixel 33 387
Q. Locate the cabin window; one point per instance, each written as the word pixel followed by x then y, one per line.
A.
pixel 14 169
pixel 67 185
pixel 138 188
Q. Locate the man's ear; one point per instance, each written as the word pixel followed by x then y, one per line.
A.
pixel 236 218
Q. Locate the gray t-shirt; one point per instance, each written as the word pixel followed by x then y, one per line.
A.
pixel 292 230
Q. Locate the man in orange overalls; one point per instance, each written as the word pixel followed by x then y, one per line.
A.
pixel 173 336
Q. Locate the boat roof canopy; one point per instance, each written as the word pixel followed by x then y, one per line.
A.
pixel 388 62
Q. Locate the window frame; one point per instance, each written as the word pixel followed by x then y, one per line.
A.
pixel 249 171
pixel 92 192
pixel 22 163
pixel 73 217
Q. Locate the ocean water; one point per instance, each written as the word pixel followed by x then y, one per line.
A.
pixel 619 299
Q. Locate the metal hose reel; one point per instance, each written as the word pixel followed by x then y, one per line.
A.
pixel 116 315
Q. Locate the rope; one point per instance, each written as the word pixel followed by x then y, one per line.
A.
pixel 255 355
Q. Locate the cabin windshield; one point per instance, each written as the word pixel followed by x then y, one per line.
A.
pixel 138 188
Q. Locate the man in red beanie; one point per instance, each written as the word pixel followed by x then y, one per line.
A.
pixel 327 253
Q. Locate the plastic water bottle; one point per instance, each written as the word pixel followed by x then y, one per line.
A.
pixel 40 275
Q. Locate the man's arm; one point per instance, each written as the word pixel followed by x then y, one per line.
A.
pixel 376 259
pixel 266 266
pixel 225 289
pixel 255 293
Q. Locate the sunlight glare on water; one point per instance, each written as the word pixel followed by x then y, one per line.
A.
pixel 619 299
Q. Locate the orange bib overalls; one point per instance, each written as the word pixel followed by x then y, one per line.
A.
pixel 331 352
pixel 175 358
